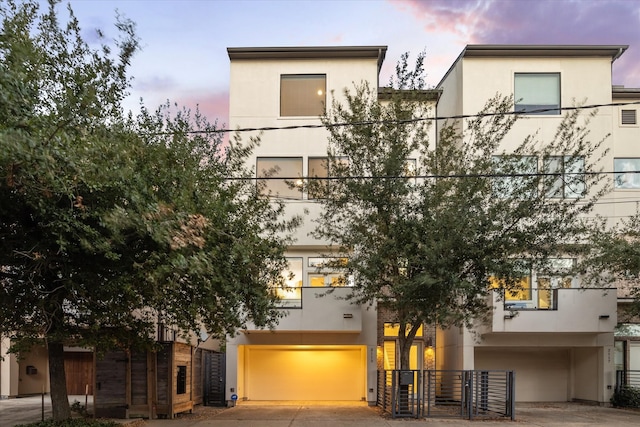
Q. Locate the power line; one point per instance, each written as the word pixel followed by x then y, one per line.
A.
pixel 400 122
pixel 434 176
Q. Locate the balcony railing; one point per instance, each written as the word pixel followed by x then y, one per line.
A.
pixel 555 310
pixel 320 309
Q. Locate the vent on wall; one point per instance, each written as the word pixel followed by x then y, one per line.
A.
pixel 628 117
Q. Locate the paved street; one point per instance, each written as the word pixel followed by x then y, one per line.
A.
pixel 297 414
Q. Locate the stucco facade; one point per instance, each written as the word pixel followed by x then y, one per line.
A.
pixel 562 354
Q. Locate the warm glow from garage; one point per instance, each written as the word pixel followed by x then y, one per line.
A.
pixel 304 372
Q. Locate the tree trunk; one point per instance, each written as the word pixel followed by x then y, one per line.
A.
pixel 58 382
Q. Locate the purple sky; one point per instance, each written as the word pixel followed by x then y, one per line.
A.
pixel 184 58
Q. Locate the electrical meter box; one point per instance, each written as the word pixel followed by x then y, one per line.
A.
pixel 406 377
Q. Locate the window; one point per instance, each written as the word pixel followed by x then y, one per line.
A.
pixel 326 272
pixel 519 180
pixel 289 168
pixel 290 294
pixel 569 182
pixel 537 91
pixel 555 275
pixel 626 173
pixel 319 167
pixel 181 383
pixel 391 355
pixel 515 290
pixel 302 94
pixel 628 117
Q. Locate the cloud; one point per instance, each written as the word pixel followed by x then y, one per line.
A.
pixel 611 22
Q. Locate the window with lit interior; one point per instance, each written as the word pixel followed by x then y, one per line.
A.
pixel 302 95
pixel 280 176
pixel 290 291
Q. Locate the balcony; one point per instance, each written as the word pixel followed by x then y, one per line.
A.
pixel 312 309
pixel 574 310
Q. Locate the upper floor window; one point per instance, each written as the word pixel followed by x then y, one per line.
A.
pixel 537 91
pixel 320 169
pixel 328 272
pixel 302 94
pixel 568 179
pixel 282 176
pixel 627 173
pixel 290 294
pixel 628 117
pixel 516 176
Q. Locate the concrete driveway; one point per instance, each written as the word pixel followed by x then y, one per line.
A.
pixel 303 414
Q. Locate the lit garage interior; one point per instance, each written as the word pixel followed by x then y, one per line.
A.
pixel 302 372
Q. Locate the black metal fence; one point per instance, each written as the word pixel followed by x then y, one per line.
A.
pixel 626 378
pixel 447 393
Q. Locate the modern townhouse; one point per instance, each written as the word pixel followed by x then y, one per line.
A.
pixel 557 335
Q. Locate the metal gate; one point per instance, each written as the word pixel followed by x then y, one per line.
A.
pixel 451 393
pixel 214 379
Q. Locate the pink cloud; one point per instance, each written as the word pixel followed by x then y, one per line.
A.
pixel 613 22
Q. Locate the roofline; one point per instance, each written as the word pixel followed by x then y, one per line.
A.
pixel 305 52
pixel 620 92
pixel 536 50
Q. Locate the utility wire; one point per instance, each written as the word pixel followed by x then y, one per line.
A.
pixel 399 122
pixel 573 175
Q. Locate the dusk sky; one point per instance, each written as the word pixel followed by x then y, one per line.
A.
pixel 184 57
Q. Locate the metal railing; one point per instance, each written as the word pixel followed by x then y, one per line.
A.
pixel 627 378
pixel 447 394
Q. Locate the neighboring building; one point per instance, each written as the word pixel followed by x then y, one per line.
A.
pixel 557 336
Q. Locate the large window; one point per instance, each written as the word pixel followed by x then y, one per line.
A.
pixel 514 290
pixel 327 271
pixel 302 94
pixel 282 176
pixel 290 294
pixel 319 170
pixel 627 173
pixel 567 180
pixel 515 176
pixel 537 91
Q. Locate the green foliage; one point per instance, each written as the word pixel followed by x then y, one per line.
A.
pixel 72 422
pixel 425 243
pixel 110 223
pixel 615 259
pixel 626 397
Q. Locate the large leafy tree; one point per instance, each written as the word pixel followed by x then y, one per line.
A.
pixel 429 243
pixel 111 223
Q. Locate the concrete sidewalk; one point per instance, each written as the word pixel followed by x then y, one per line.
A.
pixel 552 414
pixel 303 414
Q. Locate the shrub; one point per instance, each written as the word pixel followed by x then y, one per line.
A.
pixel 626 397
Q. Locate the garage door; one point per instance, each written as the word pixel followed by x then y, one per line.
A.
pixel 305 372
pixel 542 375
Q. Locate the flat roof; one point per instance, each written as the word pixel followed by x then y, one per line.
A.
pixel 537 50
pixel 306 52
pixel 621 92
pixel 541 50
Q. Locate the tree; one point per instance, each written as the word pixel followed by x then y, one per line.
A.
pixel 111 223
pixel 432 243
pixel 615 258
